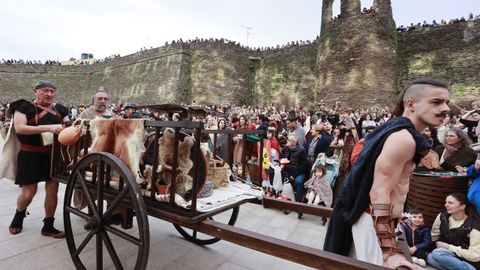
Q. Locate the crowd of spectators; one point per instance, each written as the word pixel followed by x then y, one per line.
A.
pixel 234 43
pixel 29 62
pixel 365 10
pixel 80 62
pixel 434 23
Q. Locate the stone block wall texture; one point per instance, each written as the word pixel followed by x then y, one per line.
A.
pixel 286 77
pixel 450 52
pixel 356 58
pixel 359 60
pixel 220 73
pixel 149 77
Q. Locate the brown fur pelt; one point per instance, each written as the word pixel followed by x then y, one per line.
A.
pixel 122 137
pixel 184 181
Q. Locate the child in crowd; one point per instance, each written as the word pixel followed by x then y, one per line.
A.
pixel 418 237
pixel 318 188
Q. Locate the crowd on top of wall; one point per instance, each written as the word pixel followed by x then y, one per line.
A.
pixel 86 63
pixel 179 41
pixel 237 44
pixel 365 10
pixel 29 62
pixel 434 23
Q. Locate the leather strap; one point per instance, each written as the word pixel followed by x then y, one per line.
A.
pixel 385 229
pixel 44 112
pixel 34 148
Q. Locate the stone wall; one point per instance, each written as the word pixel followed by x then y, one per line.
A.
pixel 153 76
pixel 149 77
pixel 17 81
pixel 220 73
pixel 285 77
pixel 356 58
pixel 449 52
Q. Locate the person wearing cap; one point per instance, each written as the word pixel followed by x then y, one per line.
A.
pixel 99 108
pixel 130 110
pixel 30 118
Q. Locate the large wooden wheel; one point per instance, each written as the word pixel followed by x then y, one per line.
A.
pixel 198 238
pixel 113 246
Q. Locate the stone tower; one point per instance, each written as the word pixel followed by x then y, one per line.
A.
pixel 356 56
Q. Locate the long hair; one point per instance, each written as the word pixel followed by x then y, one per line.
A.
pixel 469 207
pixel 462 136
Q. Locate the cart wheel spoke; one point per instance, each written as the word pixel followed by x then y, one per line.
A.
pixel 87 195
pixel 77 212
pixel 84 243
pixel 115 203
pixel 111 250
pixel 123 235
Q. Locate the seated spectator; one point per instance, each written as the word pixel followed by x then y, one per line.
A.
pixel 474 189
pixel 455 150
pixel 457 235
pixel 418 237
pixel 297 165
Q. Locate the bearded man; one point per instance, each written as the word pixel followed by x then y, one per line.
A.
pixel 99 107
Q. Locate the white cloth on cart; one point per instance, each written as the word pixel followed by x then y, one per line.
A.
pixel 230 194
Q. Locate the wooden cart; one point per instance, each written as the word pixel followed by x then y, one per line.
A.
pixel 97 228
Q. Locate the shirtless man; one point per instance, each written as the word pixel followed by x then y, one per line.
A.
pixel 99 107
pixel 376 188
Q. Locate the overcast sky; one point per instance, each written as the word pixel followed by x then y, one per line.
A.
pixel 60 29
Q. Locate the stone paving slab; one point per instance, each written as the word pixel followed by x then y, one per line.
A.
pixel 168 250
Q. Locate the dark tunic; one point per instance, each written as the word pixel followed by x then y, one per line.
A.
pixel 33 167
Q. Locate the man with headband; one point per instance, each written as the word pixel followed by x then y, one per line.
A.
pixel 362 223
pixel 30 118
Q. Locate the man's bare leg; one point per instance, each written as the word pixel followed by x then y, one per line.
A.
pixel 51 199
pixel 23 201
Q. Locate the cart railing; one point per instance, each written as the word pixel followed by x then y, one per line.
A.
pixel 61 166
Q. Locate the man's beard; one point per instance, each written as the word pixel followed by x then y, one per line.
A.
pixel 101 108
